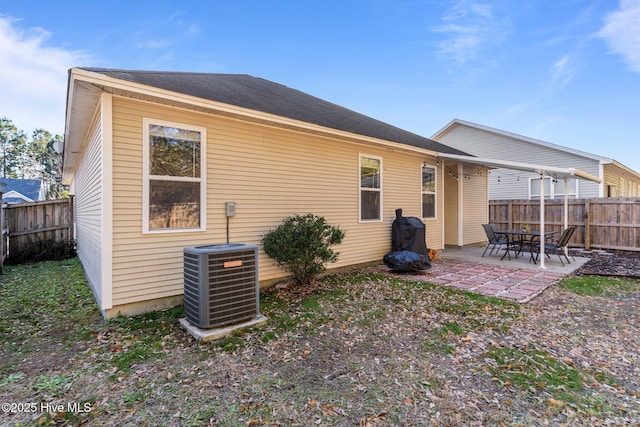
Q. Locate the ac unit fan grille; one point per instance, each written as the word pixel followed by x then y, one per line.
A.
pixel 232 292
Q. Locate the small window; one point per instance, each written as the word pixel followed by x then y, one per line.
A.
pixel 534 188
pixel 370 188
pixel 558 189
pixel 174 184
pixel 428 192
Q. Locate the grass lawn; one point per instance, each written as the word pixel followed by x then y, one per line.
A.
pixel 360 348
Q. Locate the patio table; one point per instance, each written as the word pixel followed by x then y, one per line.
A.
pixel 524 238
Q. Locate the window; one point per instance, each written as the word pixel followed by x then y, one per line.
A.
pixel 174 177
pixel 428 192
pixel 534 188
pixel 370 188
pixel 558 189
pixel 553 189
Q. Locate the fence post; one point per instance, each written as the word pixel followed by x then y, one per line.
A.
pixel 587 225
pixel 3 231
pixel 510 216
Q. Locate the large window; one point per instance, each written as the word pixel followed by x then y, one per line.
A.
pixel 174 177
pixel 370 188
pixel 428 192
pixel 553 189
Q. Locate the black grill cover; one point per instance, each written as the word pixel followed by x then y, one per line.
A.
pixel 408 234
pixel 406 261
pixel 408 245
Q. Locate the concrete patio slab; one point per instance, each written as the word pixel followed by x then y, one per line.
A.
pixel 518 279
pixel 474 254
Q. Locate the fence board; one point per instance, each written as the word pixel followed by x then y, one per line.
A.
pixel 34 222
pixel 604 223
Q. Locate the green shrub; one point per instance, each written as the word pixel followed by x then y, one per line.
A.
pixel 301 246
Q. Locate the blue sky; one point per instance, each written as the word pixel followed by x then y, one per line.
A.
pixel 563 71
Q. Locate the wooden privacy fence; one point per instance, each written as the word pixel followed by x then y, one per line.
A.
pixel 32 223
pixel 604 223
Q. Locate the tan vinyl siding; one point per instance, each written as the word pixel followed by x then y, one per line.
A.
pixel 622 182
pixel 88 210
pixel 507 184
pixel 466 204
pixel 476 204
pixel 270 173
pixel 451 231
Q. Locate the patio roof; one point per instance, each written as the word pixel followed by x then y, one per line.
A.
pixel 552 171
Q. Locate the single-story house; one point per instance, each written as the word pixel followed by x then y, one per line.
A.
pixel 617 180
pixel 152 159
pixel 22 190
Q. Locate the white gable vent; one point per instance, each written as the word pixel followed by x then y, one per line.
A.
pixel 221 284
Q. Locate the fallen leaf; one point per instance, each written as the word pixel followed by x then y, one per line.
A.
pixel 555 402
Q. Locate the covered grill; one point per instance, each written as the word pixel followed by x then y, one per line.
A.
pixel 408 245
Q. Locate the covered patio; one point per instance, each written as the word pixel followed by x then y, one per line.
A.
pixel 516 278
pixel 554 172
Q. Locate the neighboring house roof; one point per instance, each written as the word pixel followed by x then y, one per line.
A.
pixel 22 190
pixel 263 95
pixel 601 159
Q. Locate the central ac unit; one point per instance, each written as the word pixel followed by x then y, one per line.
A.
pixel 221 284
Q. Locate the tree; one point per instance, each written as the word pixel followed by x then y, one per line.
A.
pixel 46 162
pixel 35 158
pixel 13 143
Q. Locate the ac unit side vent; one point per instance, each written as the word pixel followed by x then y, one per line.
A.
pixel 221 284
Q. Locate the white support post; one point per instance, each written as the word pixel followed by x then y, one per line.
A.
pixel 566 213
pixel 542 222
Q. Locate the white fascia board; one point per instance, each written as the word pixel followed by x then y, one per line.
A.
pixel 17 195
pixel 556 172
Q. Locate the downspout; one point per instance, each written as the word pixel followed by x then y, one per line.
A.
pixel 602 184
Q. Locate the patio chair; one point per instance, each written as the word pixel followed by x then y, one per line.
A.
pixel 557 246
pixel 493 240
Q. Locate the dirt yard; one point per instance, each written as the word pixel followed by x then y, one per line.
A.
pixel 360 349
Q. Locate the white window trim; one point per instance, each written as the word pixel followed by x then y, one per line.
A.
pixel 146 176
pixel 435 193
pixel 551 194
pixel 360 189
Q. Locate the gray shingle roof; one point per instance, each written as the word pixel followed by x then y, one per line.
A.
pixel 263 95
pixel 27 187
